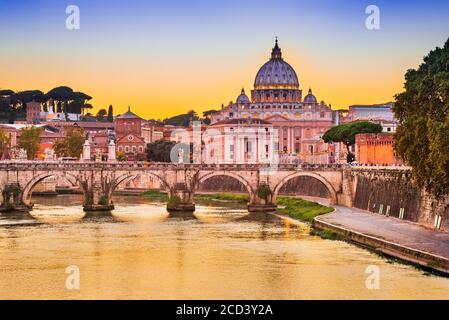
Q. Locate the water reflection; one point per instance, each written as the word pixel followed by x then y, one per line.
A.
pixel 100 216
pixel 181 215
pixel 17 219
pixel 217 253
pixel 16 215
pixel 261 217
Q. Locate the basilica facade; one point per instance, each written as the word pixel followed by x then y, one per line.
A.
pixel 277 98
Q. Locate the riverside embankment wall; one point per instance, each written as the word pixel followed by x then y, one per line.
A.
pixel 393 193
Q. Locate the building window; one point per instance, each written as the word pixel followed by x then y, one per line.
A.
pixel 127 149
pixel 140 149
pixel 120 149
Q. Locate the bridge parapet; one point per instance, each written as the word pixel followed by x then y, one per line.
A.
pixel 81 165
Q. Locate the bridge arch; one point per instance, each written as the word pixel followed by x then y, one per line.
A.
pixel 327 184
pixel 242 180
pixel 130 176
pixel 28 189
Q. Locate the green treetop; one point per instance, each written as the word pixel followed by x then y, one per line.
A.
pixel 422 137
pixel 345 133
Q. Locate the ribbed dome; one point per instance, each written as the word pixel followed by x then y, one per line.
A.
pixel 242 98
pixel 276 73
pixel 310 98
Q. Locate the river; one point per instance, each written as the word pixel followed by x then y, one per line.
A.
pixel 221 252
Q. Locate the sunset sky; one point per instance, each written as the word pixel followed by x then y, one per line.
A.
pixel 165 57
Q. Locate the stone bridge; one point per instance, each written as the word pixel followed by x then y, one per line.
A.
pixel 99 180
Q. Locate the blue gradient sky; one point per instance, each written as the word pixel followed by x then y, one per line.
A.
pixel 165 57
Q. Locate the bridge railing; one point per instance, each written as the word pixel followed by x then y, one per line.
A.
pixel 160 165
pixel 92 165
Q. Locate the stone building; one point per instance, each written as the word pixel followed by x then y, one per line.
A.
pixel 128 130
pixel 375 149
pixel 152 132
pixel 278 99
pixel 33 112
pixel 239 141
pixel 377 113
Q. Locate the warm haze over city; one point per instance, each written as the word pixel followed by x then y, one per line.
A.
pixel 163 58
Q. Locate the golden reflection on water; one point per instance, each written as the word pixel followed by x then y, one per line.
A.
pixel 139 251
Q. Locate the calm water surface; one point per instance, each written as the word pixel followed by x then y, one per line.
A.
pixel 142 252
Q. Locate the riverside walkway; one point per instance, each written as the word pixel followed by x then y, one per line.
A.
pixel 391 236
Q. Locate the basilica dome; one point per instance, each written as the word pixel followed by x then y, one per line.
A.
pixel 310 98
pixel 242 98
pixel 276 73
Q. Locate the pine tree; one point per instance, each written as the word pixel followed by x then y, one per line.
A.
pixel 110 114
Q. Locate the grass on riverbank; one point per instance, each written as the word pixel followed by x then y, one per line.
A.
pixel 302 209
pixel 154 194
pixel 232 197
pixel 328 234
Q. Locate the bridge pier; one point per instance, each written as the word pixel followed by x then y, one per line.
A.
pixel 259 207
pixel 181 199
pixel 262 200
pixel 12 195
pixel 96 199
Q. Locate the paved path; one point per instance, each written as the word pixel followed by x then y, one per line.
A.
pixel 390 229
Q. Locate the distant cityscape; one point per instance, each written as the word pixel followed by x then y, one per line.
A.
pixel 276 105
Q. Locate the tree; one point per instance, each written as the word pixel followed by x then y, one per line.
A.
pixel 159 151
pixel 121 156
pixel 345 133
pixel 101 114
pixel 264 192
pixel 72 144
pixel 62 95
pixel 422 137
pixel 207 116
pixel 182 119
pixel 29 140
pixel 110 114
pixel 78 101
pixel 5 144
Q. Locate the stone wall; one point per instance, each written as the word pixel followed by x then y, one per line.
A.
pixel 393 193
pixel 222 184
pixel 303 186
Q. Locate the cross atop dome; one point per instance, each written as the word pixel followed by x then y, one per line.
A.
pixel 276 52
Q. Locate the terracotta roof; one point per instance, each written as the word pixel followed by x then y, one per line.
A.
pixel 89 124
pixel 124 139
pixel 128 115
